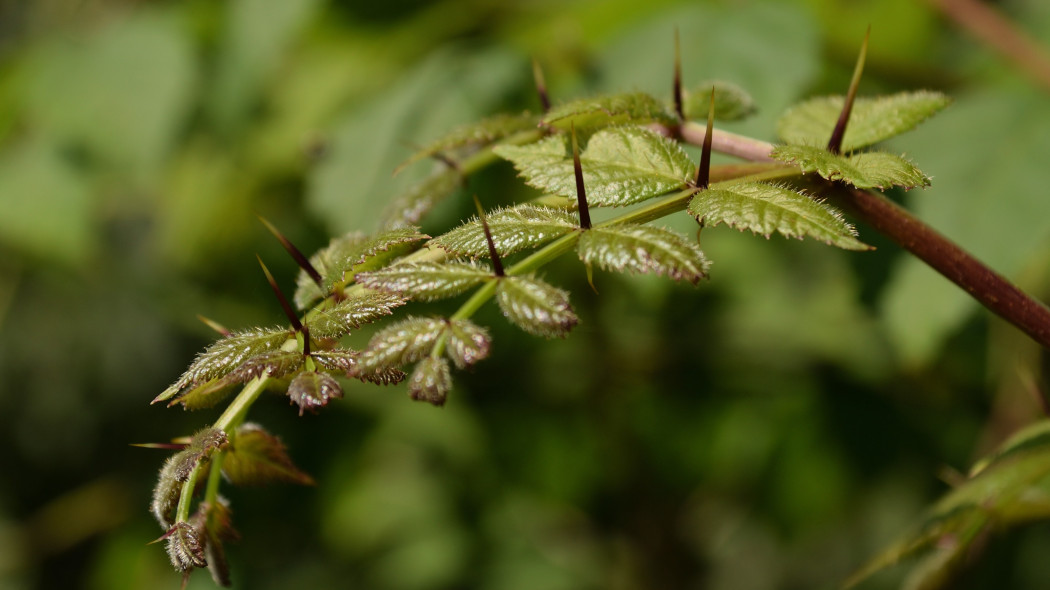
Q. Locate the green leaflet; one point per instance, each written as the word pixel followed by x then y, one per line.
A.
pixel 427 281
pixel 476 134
pixel 872 119
pixel 535 306
pixel 621 166
pixel 258 457
pixel 408 207
pixel 335 320
pixel 765 208
pixel 404 342
pixel 430 381
pixel 467 343
pixel 643 249
pixel 275 364
pixel 348 255
pixel 732 103
pixel 513 229
pixel 605 111
pixel 864 170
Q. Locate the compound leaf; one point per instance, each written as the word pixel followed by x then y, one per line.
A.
pixel 427 281
pixel 405 342
pixel 605 111
pixel 872 119
pixel 535 306
pixel 765 208
pixel 475 134
pixel 258 457
pixel 276 363
pixel 643 249
pixel 621 166
pixel 468 342
pixel 338 319
pixel 431 381
pixel 513 229
pixel 863 170
pixel 732 103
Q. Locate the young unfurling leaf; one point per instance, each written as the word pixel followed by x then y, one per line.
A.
pixel 621 166
pixel 872 119
pixel 643 249
pixel 402 343
pixel 605 111
pixel 258 457
pixel 468 343
pixel 427 281
pixel 214 521
pixel 766 208
pixel 348 255
pixel 185 547
pixel 535 306
pixel 513 230
pixel 177 469
pixel 311 390
pixel 337 319
pixel 430 381
pixel 476 134
pixel 863 170
pixel 732 103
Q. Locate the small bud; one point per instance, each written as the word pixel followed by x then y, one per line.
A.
pixel 431 381
pixel 312 390
pixel 185 547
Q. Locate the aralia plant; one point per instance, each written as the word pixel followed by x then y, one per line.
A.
pixel 619 151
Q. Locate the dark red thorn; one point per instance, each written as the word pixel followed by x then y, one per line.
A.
pixel 497 264
pixel 541 85
pixel 302 261
pixel 167 446
pixel 835 143
pixel 306 340
pixel 581 191
pixel 678 108
pixel 287 307
pixel 703 174
pixel 214 325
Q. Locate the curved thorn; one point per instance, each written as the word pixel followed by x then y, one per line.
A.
pixel 703 174
pixel 835 143
pixel 287 307
pixel 677 88
pixel 497 264
pixel 581 190
pixel 300 259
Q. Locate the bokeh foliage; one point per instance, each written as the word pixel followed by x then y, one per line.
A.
pixel 773 429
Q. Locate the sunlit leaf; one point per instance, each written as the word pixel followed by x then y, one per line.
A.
pixel 427 281
pixel 312 390
pixel 258 457
pixel 863 170
pixel 409 206
pixel 621 166
pixel 401 343
pixel 732 103
pixel 605 111
pixel 468 343
pixel 348 255
pixel 430 381
pixel 337 319
pixel 513 229
pixel 643 249
pixel 766 208
pixel 480 133
pixel 535 306
pixel 185 547
pixel 871 121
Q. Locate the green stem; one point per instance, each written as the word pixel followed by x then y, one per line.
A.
pixel 235 412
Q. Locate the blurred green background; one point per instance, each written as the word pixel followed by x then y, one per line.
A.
pixel 772 429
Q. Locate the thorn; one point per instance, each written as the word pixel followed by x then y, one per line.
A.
pixel 581 191
pixel 541 85
pixel 590 278
pixel 167 446
pixel 306 341
pixel 835 143
pixel 951 476
pixel 678 77
pixel 288 311
pixel 302 261
pixel 703 174
pixel 497 264
pixel 1033 388
pixel 698 231
pixel 214 325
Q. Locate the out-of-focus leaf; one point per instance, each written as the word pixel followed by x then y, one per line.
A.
pixel 411 204
pixel 765 208
pixel 605 111
pixel 312 390
pixel 513 229
pixel 535 306
pixel 430 381
pixel 337 319
pixel 185 547
pixel 407 341
pixel 468 343
pixel 872 119
pixel 481 133
pixel 215 521
pixel 863 170
pixel 427 281
pixel 732 102
pixel 643 249
pixel 621 166
pixel 258 457
pixel 348 255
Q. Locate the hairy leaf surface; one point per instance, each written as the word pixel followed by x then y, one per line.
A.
pixel 621 166
pixel 311 390
pixel 536 306
pixel 339 319
pixel 766 208
pixel 468 342
pixel 863 170
pixel 258 457
pixel 513 229
pixel 605 111
pixel 872 119
pixel 185 547
pixel 430 381
pixel 408 207
pixel 427 281
pixel 480 133
pixel 732 103
pixel 344 257
pixel 401 343
pixel 643 249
